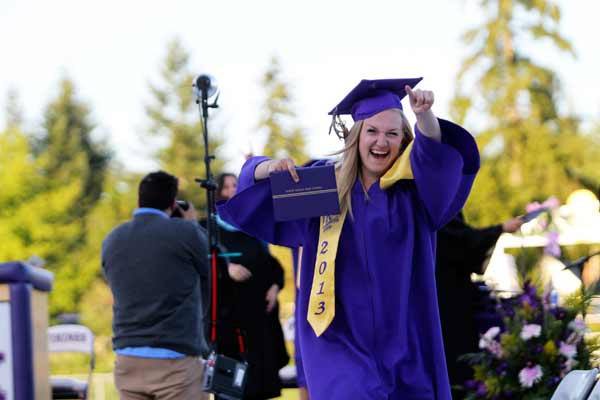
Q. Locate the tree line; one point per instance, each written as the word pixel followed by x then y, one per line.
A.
pixel 62 191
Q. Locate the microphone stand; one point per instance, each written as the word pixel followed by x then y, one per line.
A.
pixel 202 85
pixel 223 376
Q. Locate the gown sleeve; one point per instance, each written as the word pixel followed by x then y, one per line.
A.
pixel 444 171
pixel 251 210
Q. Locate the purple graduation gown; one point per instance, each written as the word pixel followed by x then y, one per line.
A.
pixel 385 341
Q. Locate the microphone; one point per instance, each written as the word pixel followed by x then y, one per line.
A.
pixel 205 85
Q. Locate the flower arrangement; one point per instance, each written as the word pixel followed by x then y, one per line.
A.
pixel 538 345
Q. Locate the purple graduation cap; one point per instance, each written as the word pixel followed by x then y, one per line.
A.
pixel 370 97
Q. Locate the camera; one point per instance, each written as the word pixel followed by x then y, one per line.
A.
pixel 225 377
pixel 182 205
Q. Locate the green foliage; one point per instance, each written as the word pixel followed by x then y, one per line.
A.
pixel 18 182
pixel 49 191
pixel 174 117
pixel 72 167
pixel 529 149
pixel 284 137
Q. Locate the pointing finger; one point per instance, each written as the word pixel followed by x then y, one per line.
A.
pixel 411 94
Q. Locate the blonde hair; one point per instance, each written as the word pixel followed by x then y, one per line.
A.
pixel 348 168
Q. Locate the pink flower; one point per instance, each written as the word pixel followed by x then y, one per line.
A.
pixel 533 206
pixel 552 203
pixel 578 325
pixel 488 343
pixel 552 248
pixel 495 348
pixel 488 337
pixel 491 333
pixel 530 330
pixel 529 376
pixel 567 350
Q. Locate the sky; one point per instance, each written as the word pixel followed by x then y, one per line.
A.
pixel 113 49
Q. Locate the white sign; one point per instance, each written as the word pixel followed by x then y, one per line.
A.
pixel 6 367
pixel 70 338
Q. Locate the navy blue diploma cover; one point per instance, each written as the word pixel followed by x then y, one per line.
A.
pixel 315 195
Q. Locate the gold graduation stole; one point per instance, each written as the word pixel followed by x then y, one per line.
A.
pixel 321 305
pixel 401 169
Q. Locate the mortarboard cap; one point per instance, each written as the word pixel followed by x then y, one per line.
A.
pixel 370 97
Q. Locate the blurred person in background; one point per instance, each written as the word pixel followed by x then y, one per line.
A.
pixel 251 287
pixel 461 251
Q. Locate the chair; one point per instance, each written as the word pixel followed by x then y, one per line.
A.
pixel 71 338
pixel 577 385
pixel 595 394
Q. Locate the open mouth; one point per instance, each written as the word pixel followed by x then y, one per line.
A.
pixel 379 155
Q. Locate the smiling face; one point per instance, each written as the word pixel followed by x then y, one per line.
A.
pixel 380 142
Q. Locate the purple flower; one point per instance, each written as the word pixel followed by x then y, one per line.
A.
pixel 530 330
pixel 481 390
pixel 529 376
pixel 529 289
pixel 578 325
pixel 501 369
pixel 506 308
pixel 559 312
pixel 529 295
pixel 2 356
pixel 552 247
pixel 471 384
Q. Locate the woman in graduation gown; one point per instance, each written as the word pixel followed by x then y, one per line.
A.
pixel 367 279
pixel 256 278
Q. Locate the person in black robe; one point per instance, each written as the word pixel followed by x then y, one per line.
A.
pixel 249 303
pixel 461 251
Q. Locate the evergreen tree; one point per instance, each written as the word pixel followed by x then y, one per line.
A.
pixel 18 182
pixel 72 168
pixel 174 116
pixel 284 137
pixel 527 145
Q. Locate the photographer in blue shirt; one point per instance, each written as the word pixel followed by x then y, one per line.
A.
pixel 157 269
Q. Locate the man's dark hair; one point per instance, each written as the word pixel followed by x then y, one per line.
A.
pixel 157 190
